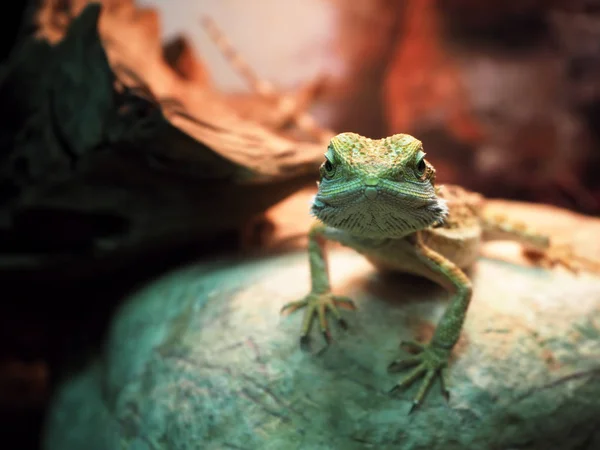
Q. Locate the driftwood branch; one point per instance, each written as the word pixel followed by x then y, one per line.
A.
pixel 110 150
pixel 131 39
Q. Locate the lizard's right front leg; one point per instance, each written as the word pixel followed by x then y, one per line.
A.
pixel 320 300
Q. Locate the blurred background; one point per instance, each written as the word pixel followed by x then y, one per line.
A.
pixel 504 95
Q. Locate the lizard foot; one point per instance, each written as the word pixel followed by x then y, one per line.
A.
pixel 318 305
pixel 562 255
pixel 429 362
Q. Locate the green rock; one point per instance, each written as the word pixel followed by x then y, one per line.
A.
pixel 201 359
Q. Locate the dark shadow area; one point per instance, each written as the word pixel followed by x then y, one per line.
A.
pixel 49 327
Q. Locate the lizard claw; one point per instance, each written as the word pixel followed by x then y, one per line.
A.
pixel 429 363
pixel 414 407
pixel 305 343
pixel 319 305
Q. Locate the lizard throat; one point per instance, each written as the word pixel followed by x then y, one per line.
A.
pixel 380 219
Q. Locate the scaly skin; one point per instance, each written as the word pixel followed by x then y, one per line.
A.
pixel 379 197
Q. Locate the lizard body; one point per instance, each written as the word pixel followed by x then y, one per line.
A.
pixel 379 197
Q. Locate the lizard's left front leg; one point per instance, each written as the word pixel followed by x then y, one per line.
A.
pixel 432 358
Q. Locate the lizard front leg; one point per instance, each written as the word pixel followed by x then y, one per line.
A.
pixel 432 358
pixel 320 300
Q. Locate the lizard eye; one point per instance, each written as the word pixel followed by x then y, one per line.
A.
pixel 421 166
pixel 327 168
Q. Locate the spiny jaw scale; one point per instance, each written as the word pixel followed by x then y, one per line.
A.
pixel 387 216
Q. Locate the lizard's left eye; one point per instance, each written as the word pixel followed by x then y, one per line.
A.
pixel 421 166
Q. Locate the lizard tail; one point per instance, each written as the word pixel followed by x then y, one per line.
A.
pixel 538 247
pixel 499 227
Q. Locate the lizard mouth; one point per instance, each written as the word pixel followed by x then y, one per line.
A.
pixel 386 216
pixel 319 203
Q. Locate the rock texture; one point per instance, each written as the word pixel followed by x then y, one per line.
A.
pixel 202 359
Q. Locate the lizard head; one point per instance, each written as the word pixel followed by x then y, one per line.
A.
pixel 377 188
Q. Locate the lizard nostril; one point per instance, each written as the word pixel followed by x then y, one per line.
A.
pixel 371 192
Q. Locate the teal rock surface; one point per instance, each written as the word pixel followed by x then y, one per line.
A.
pixel 202 359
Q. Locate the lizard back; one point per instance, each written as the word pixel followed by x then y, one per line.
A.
pixel 458 238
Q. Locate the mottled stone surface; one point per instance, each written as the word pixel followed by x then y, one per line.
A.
pixel 202 359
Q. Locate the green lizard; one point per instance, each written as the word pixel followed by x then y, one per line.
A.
pixel 379 197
